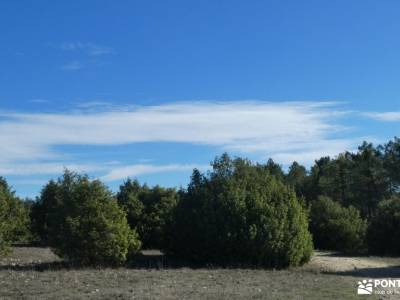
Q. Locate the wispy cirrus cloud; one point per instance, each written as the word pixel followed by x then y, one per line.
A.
pixel 88 48
pixel 94 104
pixel 120 173
pixel 48 168
pixel 72 66
pixel 98 106
pixel 86 52
pixel 393 116
pixel 112 172
pixel 39 100
pixel 288 129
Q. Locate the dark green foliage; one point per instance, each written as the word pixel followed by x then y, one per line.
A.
pixel 240 214
pixel 370 179
pixel 313 183
pixel 334 178
pixel 83 223
pixel 14 218
pixel 296 178
pixel 360 179
pixel 335 227
pixel 384 228
pixel 128 199
pixel 19 215
pixel 148 211
pixel 4 216
pixel 42 211
pixel 391 163
pixel 275 169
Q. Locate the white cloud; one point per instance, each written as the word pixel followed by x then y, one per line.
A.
pixel 247 126
pixel 72 66
pixel 140 169
pixel 309 151
pixel 39 101
pixel 46 168
pixel 393 116
pixel 90 48
pixel 94 104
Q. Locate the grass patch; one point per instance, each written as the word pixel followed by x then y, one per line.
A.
pixel 36 273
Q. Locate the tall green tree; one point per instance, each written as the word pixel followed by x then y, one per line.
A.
pixel 241 214
pixel 275 169
pixel 317 173
pixel 128 199
pixel 42 211
pixel 336 179
pixel 370 183
pixel 391 163
pixel 296 178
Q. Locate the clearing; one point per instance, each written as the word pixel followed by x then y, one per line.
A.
pixel 36 273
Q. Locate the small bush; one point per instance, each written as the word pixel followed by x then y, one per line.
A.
pixel 83 223
pixel 240 214
pixel 384 228
pixel 148 211
pixel 335 227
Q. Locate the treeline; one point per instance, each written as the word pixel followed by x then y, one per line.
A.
pixel 239 213
pixel 353 199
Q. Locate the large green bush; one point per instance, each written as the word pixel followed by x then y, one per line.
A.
pixel 240 214
pixel 83 223
pixel 384 228
pixel 148 211
pixel 335 227
pixel 14 218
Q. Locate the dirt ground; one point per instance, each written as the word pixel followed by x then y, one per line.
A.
pixel 367 266
pixel 36 273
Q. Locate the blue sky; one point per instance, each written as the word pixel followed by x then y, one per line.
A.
pixel 152 89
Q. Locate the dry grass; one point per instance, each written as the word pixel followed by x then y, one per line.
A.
pixel 36 273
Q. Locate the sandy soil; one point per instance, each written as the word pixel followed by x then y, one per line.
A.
pixel 331 262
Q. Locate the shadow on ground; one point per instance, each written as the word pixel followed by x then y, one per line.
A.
pixel 157 260
pixel 40 266
pixel 383 272
pixel 150 259
pixel 40 259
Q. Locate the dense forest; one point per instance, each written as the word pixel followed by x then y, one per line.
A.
pixel 239 213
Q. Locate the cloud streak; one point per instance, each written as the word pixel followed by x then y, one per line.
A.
pixel 89 48
pixel 393 116
pixel 48 168
pixel 72 66
pixel 112 172
pixel 276 129
pixel 141 169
